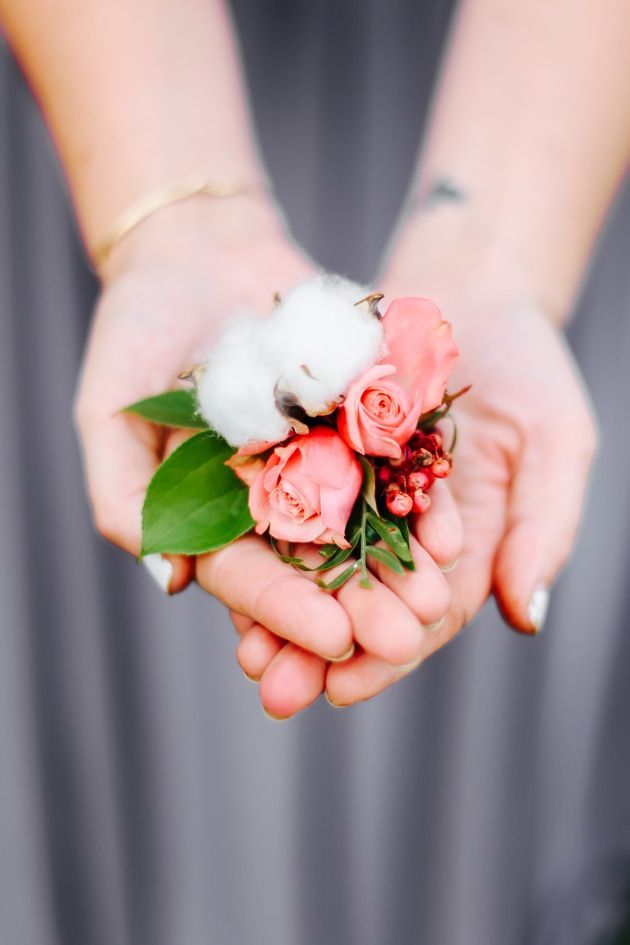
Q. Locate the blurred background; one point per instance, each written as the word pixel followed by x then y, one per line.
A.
pixel 144 797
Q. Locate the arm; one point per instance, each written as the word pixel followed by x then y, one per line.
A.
pixel 136 95
pixel 531 126
pixel 528 141
pixel 140 95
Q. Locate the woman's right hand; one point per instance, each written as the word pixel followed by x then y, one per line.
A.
pixel 168 287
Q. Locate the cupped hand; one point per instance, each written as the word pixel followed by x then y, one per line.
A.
pixel 526 441
pixel 168 287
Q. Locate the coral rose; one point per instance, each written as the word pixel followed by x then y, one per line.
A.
pixel 382 408
pixel 307 489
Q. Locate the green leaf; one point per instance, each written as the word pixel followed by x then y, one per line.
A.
pixel 368 490
pixel 392 536
pixel 341 579
pixel 288 559
pixel 195 503
pixel 175 408
pixel 429 420
pixel 403 525
pixel 385 557
pixel 333 558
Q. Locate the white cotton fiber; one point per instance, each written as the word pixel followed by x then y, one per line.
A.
pixel 307 352
pixel 235 391
pixel 321 341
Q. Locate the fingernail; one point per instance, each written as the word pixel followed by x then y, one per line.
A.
pixel 255 679
pixel 160 569
pixel 335 705
pixel 409 667
pixel 538 606
pixel 344 656
pixel 445 568
pixel 276 718
pixel 435 626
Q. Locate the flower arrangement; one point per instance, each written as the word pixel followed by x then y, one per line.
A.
pixel 318 424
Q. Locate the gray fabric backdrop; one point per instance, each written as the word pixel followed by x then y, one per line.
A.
pixel 144 797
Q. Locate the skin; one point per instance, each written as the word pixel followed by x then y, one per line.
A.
pixel 504 259
pixel 519 480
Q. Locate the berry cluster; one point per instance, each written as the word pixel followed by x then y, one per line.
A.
pixel 405 482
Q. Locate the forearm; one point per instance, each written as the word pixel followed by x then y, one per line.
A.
pixel 531 124
pixel 137 95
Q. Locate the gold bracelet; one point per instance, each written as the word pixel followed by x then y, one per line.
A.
pixel 156 200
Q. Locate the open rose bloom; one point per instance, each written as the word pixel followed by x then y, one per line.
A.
pixel 306 490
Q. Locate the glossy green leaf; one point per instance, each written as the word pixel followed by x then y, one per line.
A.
pixel 341 579
pixel 175 408
pixel 392 536
pixel 368 490
pixel 195 503
pixel 385 557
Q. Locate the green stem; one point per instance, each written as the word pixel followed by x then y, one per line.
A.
pixel 365 579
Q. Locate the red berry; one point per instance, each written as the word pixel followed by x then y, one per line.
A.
pixel 423 457
pixel 421 501
pixel 441 468
pixel 385 474
pixel 399 503
pixel 419 479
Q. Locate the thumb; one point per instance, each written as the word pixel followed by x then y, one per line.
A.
pixel 544 509
pixel 120 456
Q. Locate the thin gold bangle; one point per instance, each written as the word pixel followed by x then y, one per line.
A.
pixel 152 202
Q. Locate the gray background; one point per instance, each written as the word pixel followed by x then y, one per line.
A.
pixel 144 797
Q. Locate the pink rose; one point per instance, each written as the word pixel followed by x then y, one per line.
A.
pixel 307 489
pixel 382 408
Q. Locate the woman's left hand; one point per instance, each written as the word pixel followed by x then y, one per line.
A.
pixel 526 442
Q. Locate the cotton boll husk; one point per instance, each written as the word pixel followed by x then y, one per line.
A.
pixel 235 391
pixel 320 341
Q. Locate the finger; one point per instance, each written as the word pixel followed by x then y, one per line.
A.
pixel 425 591
pixel 362 677
pixel 293 680
pixel 249 577
pixel 365 676
pixel 381 622
pixel 120 455
pixel 241 622
pixel 439 529
pixel 545 504
pixel 257 648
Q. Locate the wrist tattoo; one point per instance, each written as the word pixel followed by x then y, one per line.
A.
pixel 444 190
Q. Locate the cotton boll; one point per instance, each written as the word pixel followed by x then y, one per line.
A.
pixel 235 389
pixel 264 375
pixel 321 341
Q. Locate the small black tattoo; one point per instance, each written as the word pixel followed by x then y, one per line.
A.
pixel 444 190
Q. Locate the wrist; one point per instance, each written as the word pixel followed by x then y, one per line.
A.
pixel 187 227
pixel 449 242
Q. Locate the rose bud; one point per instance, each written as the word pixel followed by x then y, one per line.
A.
pixel 399 503
pixel 382 408
pixel 419 479
pixel 421 501
pixel 441 468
